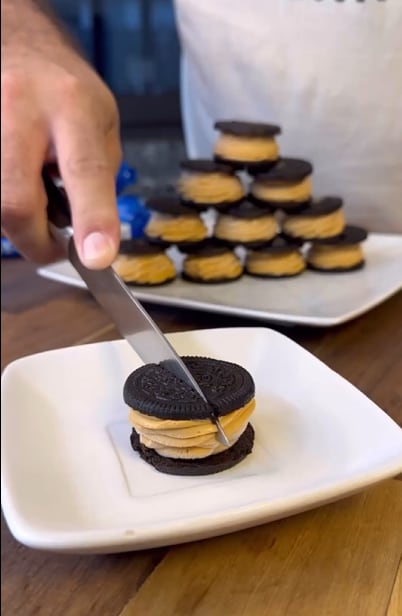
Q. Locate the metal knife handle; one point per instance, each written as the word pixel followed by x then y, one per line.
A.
pixel 58 209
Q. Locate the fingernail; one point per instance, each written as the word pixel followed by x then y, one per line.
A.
pixel 98 250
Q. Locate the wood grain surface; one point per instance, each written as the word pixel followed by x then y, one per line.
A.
pixel 339 560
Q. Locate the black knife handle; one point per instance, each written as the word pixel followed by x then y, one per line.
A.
pixel 58 209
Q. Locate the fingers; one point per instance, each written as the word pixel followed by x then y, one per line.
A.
pixel 88 161
pixel 85 140
pixel 23 201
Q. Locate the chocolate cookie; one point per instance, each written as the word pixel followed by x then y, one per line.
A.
pixel 215 463
pixel 173 428
pixel 173 223
pixel 247 145
pixel 287 170
pixel 138 247
pixel 286 186
pixel 337 270
pixel 246 209
pixel 247 129
pixel 289 207
pixel 279 259
pixel 217 280
pixel 322 207
pixel 208 184
pixel 210 247
pixel 197 264
pixel 155 391
pixel 338 254
pixel 237 226
pixel 171 205
pixel 281 245
pixel 204 165
pixel 322 219
pixel 143 264
pixel 220 206
pixel 350 236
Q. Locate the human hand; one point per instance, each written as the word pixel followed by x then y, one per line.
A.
pixel 54 107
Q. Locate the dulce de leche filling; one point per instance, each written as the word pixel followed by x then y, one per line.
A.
pixel 245 229
pixel 210 188
pixel 310 227
pixel 282 191
pixel 176 228
pixel 189 438
pixel 334 257
pixel 145 269
pixel 246 148
pixel 226 265
pixel 275 264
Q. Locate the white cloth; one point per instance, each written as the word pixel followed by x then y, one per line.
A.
pixel 328 72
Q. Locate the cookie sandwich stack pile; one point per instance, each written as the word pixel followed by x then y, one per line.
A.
pixel 260 201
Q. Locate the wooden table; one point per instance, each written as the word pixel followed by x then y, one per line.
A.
pixel 343 559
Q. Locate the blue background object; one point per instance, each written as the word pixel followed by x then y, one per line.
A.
pixel 133 216
pixel 132 213
pixel 126 176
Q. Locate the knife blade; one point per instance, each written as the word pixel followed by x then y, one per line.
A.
pixel 129 316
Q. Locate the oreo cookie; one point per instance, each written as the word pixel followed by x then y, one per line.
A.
pixel 170 205
pixel 210 247
pixel 213 247
pixel 290 207
pixel 133 283
pixel 274 276
pixel 287 170
pixel 246 133
pixel 317 213
pixel 323 207
pixel 153 390
pixel 350 236
pixel 204 466
pixel 246 209
pixel 217 280
pixel 247 129
pixel 203 165
pixel 220 206
pixel 138 248
pixel 281 245
pixel 337 270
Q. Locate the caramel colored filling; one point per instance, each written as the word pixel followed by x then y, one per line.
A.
pixel 282 191
pixel 176 228
pixel 189 438
pixel 145 269
pixel 315 226
pixel 275 264
pixel 210 187
pixel 330 257
pixel 245 229
pixel 226 265
pixel 247 149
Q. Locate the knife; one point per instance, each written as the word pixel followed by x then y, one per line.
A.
pixel 130 318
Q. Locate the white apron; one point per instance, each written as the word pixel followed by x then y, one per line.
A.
pixel 329 72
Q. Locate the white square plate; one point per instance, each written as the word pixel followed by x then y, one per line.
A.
pixel 313 298
pixel 71 482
